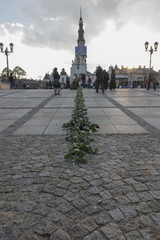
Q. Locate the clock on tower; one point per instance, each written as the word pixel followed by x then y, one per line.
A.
pixel 82 50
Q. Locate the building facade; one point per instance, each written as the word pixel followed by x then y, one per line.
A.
pixel 131 77
pixel 79 64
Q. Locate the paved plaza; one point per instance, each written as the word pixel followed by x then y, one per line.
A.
pixel 115 195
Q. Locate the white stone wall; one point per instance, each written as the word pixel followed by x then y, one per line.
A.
pixel 80 62
pixel 63 78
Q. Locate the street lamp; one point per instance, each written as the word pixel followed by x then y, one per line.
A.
pixel 151 50
pixel 7 52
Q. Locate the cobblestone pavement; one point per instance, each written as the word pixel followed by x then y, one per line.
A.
pixel 115 195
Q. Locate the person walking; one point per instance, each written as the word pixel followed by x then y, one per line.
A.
pixel 56 82
pixel 106 79
pixel 152 78
pixel 134 81
pixel 11 80
pixel 100 79
pixel 146 80
pixel 113 80
pixel 83 80
pixel 89 82
pixel 15 83
pixel 68 82
pixel 50 84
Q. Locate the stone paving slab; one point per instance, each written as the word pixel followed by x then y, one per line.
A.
pixel 115 195
pixel 111 106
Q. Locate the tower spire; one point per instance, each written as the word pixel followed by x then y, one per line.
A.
pixel 80 12
pixel 81 40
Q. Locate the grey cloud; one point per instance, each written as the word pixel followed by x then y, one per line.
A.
pixel 54 24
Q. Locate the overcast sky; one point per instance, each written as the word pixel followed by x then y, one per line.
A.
pixel 44 33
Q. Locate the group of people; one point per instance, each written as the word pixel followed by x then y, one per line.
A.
pixel 101 82
pixel 102 79
pixel 84 83
pixel 81 80
pixel 56 82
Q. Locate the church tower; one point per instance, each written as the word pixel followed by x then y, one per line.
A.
pixel 79 65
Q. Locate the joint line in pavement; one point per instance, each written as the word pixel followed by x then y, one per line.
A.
pixel 147 126
pixel 21 121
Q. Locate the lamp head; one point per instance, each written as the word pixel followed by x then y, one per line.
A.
pixel 146 45
pixel 11 46
pixel 156 46
pixel 1 47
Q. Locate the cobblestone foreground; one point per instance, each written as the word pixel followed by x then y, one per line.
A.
pixel 116 195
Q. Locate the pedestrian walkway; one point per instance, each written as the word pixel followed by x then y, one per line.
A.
pixel 41 112
pixel 115 195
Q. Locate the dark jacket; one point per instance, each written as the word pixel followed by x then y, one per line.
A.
pixel 152 76
pixel 56 75
pixel 11 78
pixel 106 79
pixel 113 80
pixel 100 74
pixel 56 78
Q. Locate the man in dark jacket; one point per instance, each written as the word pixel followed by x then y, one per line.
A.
pixel 152 78
pixel 106 79
pixel 11 80
pixel 68 82
pixel 100 79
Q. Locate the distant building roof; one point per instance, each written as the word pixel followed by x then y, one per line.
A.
pixel 90 74
pixel 46 77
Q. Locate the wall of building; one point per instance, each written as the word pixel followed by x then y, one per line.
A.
pixel 134 75
pixel 78 67
pixel 4 86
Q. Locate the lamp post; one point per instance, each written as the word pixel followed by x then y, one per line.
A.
pixel 7 52
pixel 151 50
